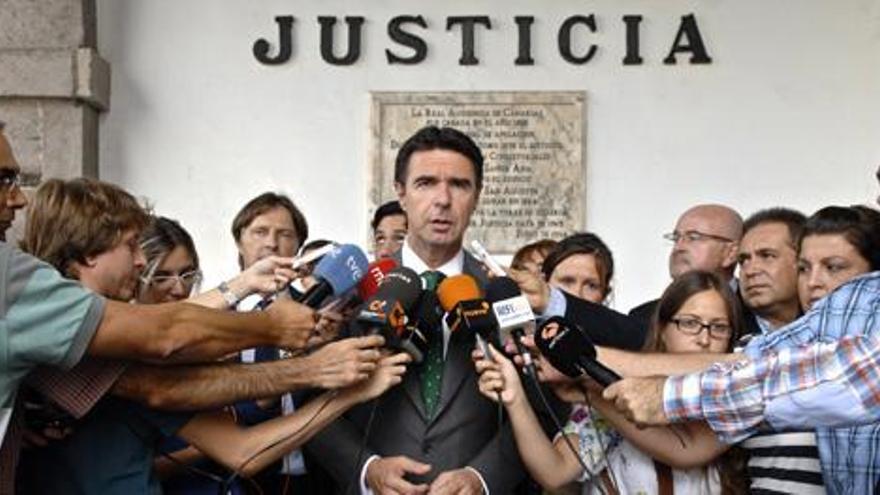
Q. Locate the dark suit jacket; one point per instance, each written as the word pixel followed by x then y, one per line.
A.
pixel 644 312
pixel 463 432
pixel 605 326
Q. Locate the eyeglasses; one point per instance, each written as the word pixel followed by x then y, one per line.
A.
pixel 9 179
pixel 694 236
pixel 187 280
pixel 690 325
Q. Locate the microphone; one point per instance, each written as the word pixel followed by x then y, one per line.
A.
pixel 514 316
pixel 481 254
pixel 337 273
pixel 387 312
pixel 467 311
pixel 427 316
pixel 376 272
pixel 570 351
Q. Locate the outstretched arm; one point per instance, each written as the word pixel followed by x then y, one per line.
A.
pixel 249 450
pixel 551 465
pixel 689 445
pixel 821 384
pixel 182 332
pixel 209 386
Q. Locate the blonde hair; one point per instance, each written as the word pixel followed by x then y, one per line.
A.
pixel 71 220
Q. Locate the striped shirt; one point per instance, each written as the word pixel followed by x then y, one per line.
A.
pixel 784 463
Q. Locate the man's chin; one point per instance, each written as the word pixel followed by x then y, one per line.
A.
pixel 444 240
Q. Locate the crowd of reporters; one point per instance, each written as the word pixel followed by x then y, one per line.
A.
pixel 428 370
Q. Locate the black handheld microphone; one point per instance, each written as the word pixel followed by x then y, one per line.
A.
pixel 339 271
pixel 387 312
pixel 424 326
pixel 570 351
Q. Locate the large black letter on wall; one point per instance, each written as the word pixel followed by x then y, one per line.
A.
pixel 524 23
pixel 396 33
pixel 688 29
pixel 354 40
pixel 285 41
pixel 467 35
pixel 565 38
pixel 632 40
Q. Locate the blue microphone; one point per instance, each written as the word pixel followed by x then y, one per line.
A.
pixel 338 272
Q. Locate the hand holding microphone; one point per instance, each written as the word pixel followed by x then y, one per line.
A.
pixel 387 312
pixel 514 316
pixel 498 377
pixel 338 272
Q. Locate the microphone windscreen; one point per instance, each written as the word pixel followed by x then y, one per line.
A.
pixel 455 289
pixel 402 285
pixel 376 272
pixel 563 344
pixel 342 268
pixel 501 288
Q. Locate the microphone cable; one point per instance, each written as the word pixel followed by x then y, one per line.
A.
pixel 537 385
pixel 367 430
pixel 237 472
pixel 602 447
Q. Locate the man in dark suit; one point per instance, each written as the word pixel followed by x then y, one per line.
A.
pixel 706 237
pixel 448 440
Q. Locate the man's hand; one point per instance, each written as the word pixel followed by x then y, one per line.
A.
pixel 533 287
pixel 639 399
pixel 346 362
pixel 386 476
pixel 457 482
pixel 389 372
pixel 268 275
pixel 294 321
pixel 327 328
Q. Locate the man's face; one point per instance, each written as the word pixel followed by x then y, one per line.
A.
pixel 701 245
pixel 439 196
pixel 768 268
pixel 389 235
pixel 12 198
pixel 271 233
pixel 114 273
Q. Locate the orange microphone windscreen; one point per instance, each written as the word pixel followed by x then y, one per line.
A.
pixel 455 289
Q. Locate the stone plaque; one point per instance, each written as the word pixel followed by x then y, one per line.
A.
pixel 534 176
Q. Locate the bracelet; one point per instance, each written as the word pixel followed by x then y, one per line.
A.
pixel 229 296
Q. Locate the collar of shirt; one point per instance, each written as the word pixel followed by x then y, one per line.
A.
pixel 763 325
pixel 410 259
pixel 454 266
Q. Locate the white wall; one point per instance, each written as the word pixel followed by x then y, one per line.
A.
pixel 788 113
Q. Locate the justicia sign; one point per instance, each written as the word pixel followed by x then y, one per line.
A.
pixel 408 47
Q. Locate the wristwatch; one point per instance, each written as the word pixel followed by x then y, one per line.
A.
pixel 229 296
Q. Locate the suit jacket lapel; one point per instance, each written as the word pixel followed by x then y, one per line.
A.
pixel 455 370
pixel 458 361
